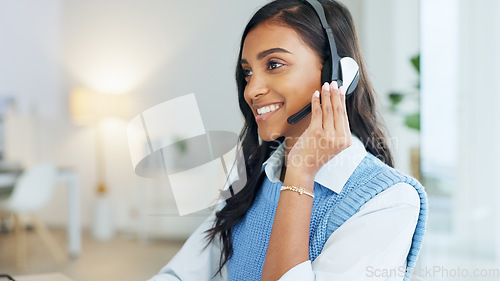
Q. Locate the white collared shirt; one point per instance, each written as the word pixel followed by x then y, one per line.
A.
pixel 371 245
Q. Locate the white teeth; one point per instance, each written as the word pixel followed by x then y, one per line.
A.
pixel 266 109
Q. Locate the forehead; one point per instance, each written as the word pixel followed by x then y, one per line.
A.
pixel 268 35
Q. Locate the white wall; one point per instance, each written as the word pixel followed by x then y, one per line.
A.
pixel 31 72
pixel 440 82
pixel 389 36
pixel 477 216
pixel 29 55
pixel 461 91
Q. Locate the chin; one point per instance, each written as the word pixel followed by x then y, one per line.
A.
pixel 268 136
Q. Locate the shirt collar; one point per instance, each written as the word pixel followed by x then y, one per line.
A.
pixel 333 175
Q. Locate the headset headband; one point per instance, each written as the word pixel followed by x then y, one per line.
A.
pixel 336 74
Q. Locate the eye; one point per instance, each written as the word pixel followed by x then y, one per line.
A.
pixel 273 65
pixel 247 72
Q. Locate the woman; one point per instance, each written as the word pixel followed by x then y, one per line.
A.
pixel 322 201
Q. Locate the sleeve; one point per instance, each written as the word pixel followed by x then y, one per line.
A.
pixel 193 262
pixel 371 245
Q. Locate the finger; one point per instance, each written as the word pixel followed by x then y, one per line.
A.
pixel 316 121
pixel 338 108
pixel 326 106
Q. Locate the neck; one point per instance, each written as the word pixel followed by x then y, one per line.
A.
pixel 292 137
pixel 294 133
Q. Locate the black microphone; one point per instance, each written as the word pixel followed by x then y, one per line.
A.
pixel 301 114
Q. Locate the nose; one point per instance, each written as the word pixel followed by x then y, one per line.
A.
pixel 256 87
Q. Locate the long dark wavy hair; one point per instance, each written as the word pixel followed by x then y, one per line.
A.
pixel 361 107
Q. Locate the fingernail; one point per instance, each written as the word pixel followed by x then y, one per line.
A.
pixel 316 94
pixel 335 85
pixel 343 90
pixel 326 87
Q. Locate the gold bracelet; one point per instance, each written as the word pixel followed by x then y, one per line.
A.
pixel 298 189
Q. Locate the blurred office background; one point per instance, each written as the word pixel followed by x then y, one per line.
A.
pixel 434 64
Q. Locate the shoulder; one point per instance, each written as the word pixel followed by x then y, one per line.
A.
pixel 400 195
pixel 378 183
pixel 375 184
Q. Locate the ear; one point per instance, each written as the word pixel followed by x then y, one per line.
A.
pixel 350 74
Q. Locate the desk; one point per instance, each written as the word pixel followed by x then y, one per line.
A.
pixel 73 229
pixel 43 277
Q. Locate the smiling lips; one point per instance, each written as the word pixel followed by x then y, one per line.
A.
pixel 266 111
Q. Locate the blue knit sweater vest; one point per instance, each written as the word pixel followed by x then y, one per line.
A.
pixel 330 210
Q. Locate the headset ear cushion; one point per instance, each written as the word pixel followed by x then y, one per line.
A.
pixel 326 71
pixel 350 74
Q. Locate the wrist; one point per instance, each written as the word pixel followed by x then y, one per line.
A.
pixel 297 178
pixel 299 174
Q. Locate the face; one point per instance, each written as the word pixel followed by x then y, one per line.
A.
pixel 282 73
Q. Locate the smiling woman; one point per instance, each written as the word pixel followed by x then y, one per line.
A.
pixel 323 201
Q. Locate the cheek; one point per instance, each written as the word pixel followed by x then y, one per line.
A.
pixel 299 90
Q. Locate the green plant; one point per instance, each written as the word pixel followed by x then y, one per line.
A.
pixel 412 120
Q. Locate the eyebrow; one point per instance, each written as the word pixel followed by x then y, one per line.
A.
pixel 265 53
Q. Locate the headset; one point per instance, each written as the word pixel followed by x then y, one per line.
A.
pixel 343 70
